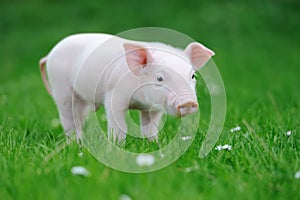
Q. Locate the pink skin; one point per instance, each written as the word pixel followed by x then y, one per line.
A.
pixel 83 77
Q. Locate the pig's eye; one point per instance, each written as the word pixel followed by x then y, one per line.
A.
pixel 193 76
pixel 160 78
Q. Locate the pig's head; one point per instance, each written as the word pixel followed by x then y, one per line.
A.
pixel 168 74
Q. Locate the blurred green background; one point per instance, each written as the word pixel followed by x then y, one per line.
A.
pixel 256 42
pixel 257 52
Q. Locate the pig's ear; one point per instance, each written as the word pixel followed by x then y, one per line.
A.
pixel 198 54
pixel 136 57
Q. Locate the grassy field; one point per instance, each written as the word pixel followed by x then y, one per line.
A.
pixel 257 52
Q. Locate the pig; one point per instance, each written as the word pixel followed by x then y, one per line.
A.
pixel 85 71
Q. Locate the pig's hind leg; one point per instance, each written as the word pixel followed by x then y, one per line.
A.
pixel 72 110
pixel 80 111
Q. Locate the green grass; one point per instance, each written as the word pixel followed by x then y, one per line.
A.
pixel 257 52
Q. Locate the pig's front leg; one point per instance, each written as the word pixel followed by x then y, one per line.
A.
pixel 115 114
pixel 150 124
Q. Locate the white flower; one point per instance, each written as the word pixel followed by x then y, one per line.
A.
pixel 79 170
pixel 238 128
pixel 145 159
pixel 192 168
pixel 289 133
pixel 185 138
pixel 226 146
pixel 297 175
pixel 124 197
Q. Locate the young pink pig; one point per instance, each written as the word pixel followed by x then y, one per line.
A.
pixel 86 71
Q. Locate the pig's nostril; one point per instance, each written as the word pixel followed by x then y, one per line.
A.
pixel 188 105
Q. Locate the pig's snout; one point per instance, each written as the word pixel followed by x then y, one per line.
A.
pixel 187 108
